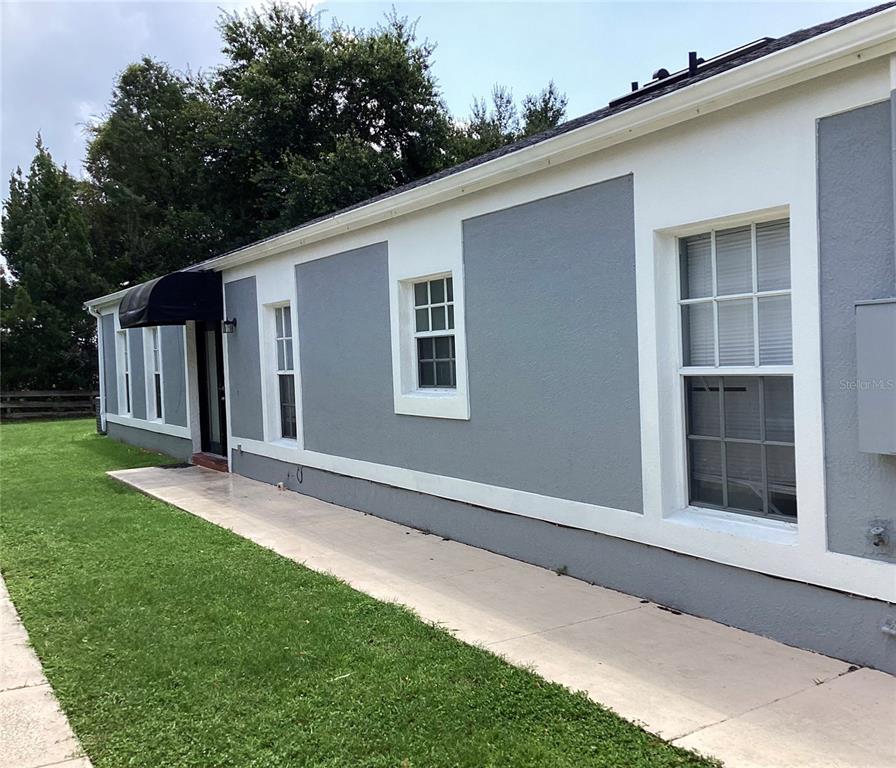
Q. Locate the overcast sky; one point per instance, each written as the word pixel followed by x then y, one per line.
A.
pixel 60 60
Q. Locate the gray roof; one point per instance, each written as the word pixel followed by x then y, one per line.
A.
pixel 705 71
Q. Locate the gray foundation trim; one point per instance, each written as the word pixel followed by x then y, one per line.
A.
pixel 856 251
pixel 174 377
pixel 110 372
pixel 178 447
pixel 798 614
pixel 244 372
pixel 138 373
pixel 552 353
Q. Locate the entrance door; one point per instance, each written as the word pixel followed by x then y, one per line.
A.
pixel 212 405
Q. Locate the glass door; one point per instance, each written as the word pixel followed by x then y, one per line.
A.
pixel 212 403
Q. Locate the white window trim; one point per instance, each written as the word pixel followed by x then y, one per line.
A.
pixel 125 383
pixel 409 398
pixel 149 365
pixel 271 374
pixel 677 509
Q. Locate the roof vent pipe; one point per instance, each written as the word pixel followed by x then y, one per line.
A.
pixel 661 74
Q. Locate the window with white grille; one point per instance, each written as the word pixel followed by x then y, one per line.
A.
pixel 285 372
pixel 434 333
pixel 737 350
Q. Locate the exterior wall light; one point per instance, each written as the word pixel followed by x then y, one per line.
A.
pixel 229 326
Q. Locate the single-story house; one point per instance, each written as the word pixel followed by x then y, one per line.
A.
pixel 653 348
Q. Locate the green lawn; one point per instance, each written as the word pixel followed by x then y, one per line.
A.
pixel 171 642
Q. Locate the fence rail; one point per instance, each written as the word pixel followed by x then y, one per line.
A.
pixel 46 404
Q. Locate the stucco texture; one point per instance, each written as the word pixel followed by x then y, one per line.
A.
pixel 552 354
pixel 855 208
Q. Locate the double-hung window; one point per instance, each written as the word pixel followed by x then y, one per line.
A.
pixel 286 382
pixel 154 335
pixel 434 333
pixel 124 398
pixel 737 344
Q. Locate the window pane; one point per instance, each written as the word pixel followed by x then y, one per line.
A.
pixel 278 320
pixel 421 297
pixel 742 407
pixel 438 318
pixel 289 361
pixel 436 291
pixel 422 319
pixel 427 374
pixel 781 480
pixel 444 374
pixel 699 335
pixel 443 347
pixel 158 392
pixel 281 355
pixel 425 349
pixel 450 317
pixel 744 469
pixel 450 282
pixel 287 322
pixel 696 267
pixel 706 471
pixel 775 337
pixel 703 405
pixel 773 255
pixel 287 389
pixel 734 261
pixel 736 332
pixel 778 408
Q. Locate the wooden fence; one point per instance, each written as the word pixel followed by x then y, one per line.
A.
pixel 49 404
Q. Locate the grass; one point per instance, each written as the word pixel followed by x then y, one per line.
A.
pixel 171 642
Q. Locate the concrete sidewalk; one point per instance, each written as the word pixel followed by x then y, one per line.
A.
pixel 34 732
pixel 747 700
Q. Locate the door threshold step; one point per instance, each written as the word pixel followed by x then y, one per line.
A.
pixel 210 461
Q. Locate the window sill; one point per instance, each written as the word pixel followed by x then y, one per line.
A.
pixel 734 524
pixel 285 442
pixel 434 403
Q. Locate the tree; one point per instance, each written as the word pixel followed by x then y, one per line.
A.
pixel 148 199
pixel 496 124
pixel 312 119
pixel 299 121
pixel 47 337
pixel 544 110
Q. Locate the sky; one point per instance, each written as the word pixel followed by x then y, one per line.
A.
pixel 59 61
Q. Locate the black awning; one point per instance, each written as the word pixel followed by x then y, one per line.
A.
pixel 173 299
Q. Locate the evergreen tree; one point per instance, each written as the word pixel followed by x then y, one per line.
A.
pixel 48 340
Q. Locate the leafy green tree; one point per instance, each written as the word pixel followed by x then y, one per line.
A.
pixel 47 337
pixel 299 121
pixel 148 199
pixel 312 119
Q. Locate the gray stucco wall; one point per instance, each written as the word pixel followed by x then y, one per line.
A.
pixel 856 211
pixel 180 448
pixel 552 354
pixel 244 373
pixel 174 378
pixel 802 615
pixel 110 374
pixel 138 373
